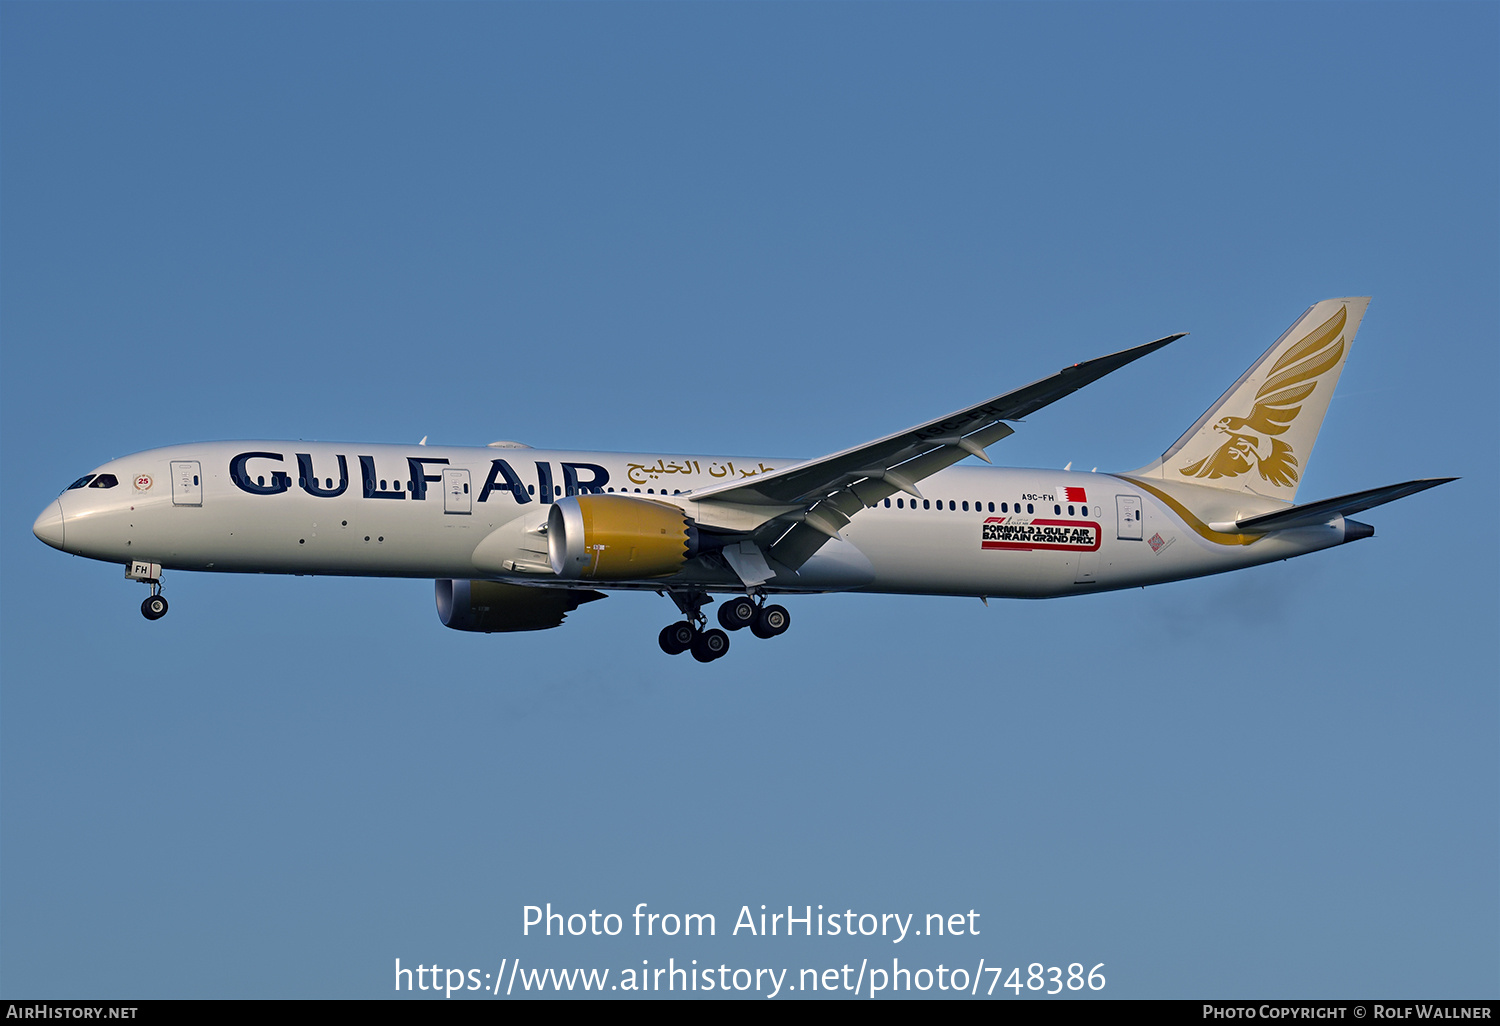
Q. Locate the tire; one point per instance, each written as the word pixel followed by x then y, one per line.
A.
pixel 154 608
pixel 736 614
pixel 772 621
pixel 676 638
pixel 710 645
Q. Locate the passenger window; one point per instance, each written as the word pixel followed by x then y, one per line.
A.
pixel 1005 507
pixel 900 503
pixel 887 503
pixel 85 479
pixel 966 507
pixel 1070 511
pixel 954 506
pixel 1030 508
pixel 1057 511
pixel 926 503
pixel 992 507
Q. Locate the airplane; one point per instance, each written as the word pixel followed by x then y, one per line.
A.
pixel 516 537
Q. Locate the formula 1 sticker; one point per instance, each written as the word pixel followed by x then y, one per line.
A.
pixel 1020 534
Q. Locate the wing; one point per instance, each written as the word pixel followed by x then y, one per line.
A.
pixel 809 502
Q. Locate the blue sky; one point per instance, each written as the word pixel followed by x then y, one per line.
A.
pixel 749 229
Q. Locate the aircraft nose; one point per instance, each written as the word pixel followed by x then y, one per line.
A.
pixel 49 526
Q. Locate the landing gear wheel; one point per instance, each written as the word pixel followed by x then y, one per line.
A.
pixel 736 613
pixel 675 638
pixel 710 645
pixel 154 608
pixel 771 621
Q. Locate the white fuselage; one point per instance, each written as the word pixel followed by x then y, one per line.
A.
pixel 474 512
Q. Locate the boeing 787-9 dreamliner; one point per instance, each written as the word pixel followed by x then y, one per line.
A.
pixel 516 537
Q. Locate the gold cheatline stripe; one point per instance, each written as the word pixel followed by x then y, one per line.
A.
pixel 1187 518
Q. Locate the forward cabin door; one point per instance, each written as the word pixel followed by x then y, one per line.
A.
pixel 456 494
pixel 187 483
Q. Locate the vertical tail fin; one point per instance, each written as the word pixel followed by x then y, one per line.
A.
pixel 1260 433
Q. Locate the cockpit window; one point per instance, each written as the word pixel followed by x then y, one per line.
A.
pixel 105 481
pixel 85 479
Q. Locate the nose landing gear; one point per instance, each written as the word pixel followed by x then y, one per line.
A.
pixel 155 607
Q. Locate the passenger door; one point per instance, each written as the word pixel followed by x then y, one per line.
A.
pixel 456 496
pixel 1128 509
pixel 187 483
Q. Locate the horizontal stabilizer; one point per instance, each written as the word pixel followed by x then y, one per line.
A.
pixel 1314 513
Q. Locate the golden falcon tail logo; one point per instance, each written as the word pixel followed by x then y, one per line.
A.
pixel 1252 441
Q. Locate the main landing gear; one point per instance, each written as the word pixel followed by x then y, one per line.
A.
pixel 155 607
pixel 708 644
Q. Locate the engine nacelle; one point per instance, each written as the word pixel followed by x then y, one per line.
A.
pixel 618 538
pixel 493 607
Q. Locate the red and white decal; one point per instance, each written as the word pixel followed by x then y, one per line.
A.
pixel 1023 535
pixel 1075 495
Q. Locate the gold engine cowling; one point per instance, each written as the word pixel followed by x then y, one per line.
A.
pixel 617 538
